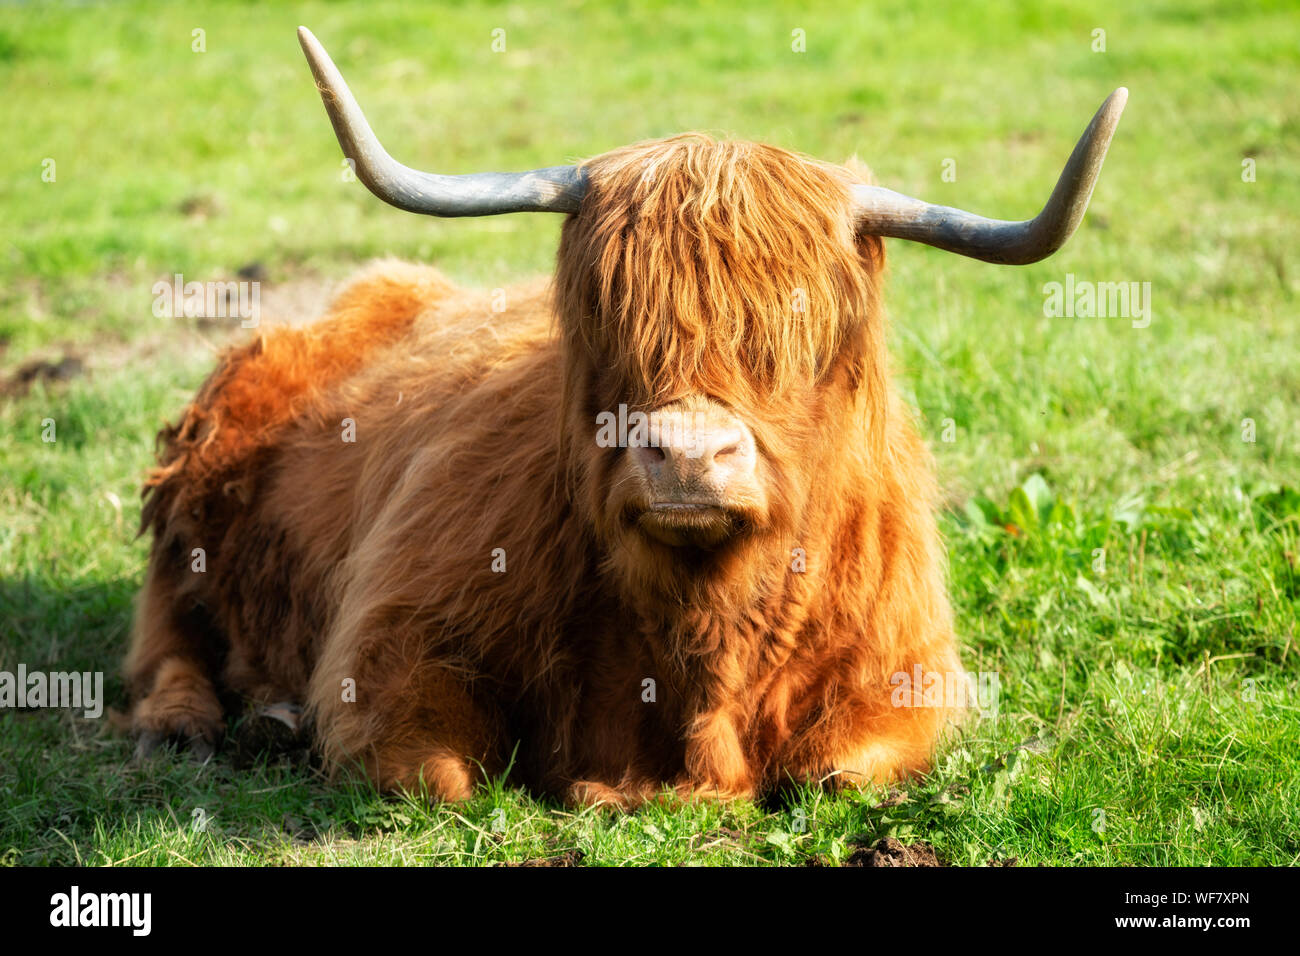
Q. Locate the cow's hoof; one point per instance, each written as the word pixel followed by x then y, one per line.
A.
pixel 182 707
pixel 200 746
pixel 589 793
pixel 146 743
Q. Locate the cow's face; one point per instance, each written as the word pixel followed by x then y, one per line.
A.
pixel 723 344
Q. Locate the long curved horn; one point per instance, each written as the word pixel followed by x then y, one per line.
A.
pixel 555 189
pixel 883 212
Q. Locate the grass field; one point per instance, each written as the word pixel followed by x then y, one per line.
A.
pixel 1123 519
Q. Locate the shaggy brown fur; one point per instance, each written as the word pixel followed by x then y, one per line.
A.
pixel 694 269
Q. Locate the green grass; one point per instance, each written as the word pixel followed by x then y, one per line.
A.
pixel 1148 710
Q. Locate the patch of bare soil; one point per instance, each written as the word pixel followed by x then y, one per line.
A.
pixel 41 370
pixel 567 858
pixel 293 300
pixel 891 852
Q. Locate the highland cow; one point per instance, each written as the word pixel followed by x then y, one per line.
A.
pixel 408 527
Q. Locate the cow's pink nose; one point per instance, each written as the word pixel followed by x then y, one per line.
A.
pixel 693 457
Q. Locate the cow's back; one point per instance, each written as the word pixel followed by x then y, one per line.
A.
pixel 279 464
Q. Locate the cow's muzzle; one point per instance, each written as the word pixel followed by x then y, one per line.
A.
pixel 697 469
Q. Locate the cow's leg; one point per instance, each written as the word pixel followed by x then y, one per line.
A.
pixel 411 723
pixel 166 673
pixel 863 738
pixel 716 766
pixel 893 749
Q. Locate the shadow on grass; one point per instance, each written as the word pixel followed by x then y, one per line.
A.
pixel 72 794
pixel 70 791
